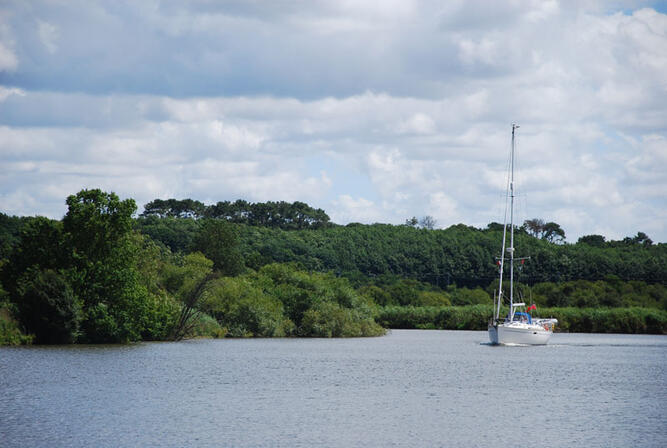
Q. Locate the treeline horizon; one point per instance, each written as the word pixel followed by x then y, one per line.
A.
pixel 275 269
pixel 299 215
pixel 459 254
pixel 284 215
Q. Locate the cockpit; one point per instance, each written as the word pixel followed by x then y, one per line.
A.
pixel 522 317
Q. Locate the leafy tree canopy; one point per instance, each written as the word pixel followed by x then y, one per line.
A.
pixel 294 216
pixel 549 231
pixel 96 221
pixel 592 240
pixel 218 241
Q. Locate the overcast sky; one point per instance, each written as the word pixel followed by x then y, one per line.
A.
pixel 375 111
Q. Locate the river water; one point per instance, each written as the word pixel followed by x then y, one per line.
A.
pixel 407 389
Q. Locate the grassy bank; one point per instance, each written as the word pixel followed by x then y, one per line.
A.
pixel 576 320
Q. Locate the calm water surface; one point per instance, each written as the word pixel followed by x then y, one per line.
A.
pixel 410 388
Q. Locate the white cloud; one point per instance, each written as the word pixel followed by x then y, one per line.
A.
pixel 372 112
pixel 418 124
pixel 542 10
pixel 443 208
pixel 348 209
pixel 7 92
pixel 8 60
pixel 48 34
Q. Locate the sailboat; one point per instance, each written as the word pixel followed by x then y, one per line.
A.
pixel 518 327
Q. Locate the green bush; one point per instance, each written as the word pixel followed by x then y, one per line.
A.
pixel 10 333
pixel 245 310
pixel 465 296
pixel 281 300
pixel 433 298
pixel 260 316
pixel 162 311
pixel 207 327
pixel 330 320
pixel 47 307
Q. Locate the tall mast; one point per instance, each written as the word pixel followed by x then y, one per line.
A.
pixel 510 195
pixel 511 248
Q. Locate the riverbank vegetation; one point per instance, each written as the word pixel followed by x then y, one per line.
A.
pixel 633 320
pixel 238 269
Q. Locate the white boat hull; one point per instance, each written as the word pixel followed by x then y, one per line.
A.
pixel 519 334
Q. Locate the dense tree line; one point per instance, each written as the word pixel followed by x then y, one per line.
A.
pixel 278 269
pixel 571 319
pixel 609 293
pixel 282 215
pixel 91 278
pixel 459 255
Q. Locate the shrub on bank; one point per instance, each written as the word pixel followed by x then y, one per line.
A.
pixel 609 320
pixel 330 320
pixel 207 327
pixel 281 300
pixel 10 333
pixel 579 320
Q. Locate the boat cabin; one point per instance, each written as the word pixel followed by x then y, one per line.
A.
pixel 522 317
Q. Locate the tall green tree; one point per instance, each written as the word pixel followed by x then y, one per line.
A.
pixel 218 241
pixel 534 227
pixel 41 245
pixel 103 266
pixel 553 233
pixel 174 208
pixel 96 222
pixel 10 227
pixel 549 231
pixel 640 238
